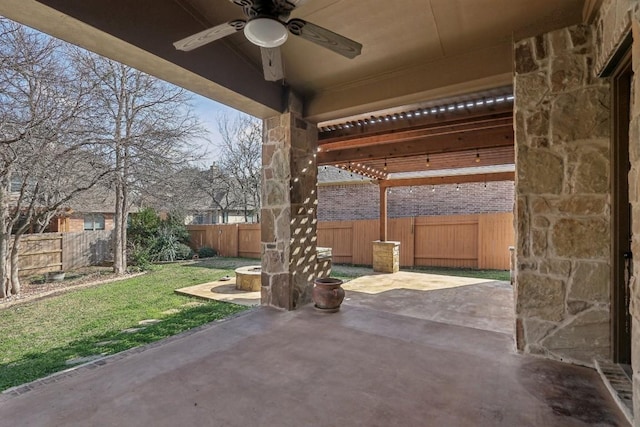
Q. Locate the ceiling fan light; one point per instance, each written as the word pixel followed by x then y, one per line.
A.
pixel 266 32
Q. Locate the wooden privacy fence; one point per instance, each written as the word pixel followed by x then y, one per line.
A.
pixel 231 240
pixel 41 253
pixel 86 248
pixel 469 241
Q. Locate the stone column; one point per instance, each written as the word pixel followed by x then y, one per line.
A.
pixel 562 130
pixel 289 202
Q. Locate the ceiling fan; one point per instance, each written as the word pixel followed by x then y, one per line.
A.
pixel 267 25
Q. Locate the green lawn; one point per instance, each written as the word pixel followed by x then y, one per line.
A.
pixel 38 337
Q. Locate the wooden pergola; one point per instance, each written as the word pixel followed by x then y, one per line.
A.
pixel 421 145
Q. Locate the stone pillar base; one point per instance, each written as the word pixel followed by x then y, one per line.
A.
pixel 386 257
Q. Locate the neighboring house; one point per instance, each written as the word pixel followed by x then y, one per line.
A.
pixel 82 220
pixel 345 196
pixel 91 210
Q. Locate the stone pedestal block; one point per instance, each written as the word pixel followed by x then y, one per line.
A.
pixel 386 257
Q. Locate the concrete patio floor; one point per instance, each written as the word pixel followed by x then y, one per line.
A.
pixel 393 356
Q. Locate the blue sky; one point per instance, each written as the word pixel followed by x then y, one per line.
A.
pixel 208 112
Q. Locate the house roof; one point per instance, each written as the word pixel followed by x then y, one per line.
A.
pixel 97 199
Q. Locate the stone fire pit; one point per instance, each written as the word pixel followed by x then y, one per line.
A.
pixel 249 278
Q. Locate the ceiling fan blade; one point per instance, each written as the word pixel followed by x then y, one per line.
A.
pixel 284 7
pixel 209 35
pixel 297 3
pixel 251 8
pixel 272 64
pixel 325 38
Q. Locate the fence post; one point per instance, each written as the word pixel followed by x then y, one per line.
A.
pixel 480 241
pixel 237 234
pixel 63 260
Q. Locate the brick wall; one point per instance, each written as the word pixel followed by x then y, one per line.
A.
pixel 362 201
pixel 75 223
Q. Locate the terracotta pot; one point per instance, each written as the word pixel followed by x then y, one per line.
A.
pixel 327 294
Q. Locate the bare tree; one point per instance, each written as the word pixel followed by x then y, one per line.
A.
pixel 240 161
pixel 175 192
pixel 146 128
pixel 217 188
pixel 45 158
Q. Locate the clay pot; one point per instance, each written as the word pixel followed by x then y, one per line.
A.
pixel 327 294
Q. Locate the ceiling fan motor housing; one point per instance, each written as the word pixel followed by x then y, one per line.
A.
pixel 265 31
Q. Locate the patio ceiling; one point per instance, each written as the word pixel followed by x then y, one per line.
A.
pixel 417 55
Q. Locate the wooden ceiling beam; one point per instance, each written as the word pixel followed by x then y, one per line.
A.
pixel 488 157
pixel 451 179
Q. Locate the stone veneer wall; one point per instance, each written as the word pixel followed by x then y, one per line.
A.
pixel 562 115
pixel 289 202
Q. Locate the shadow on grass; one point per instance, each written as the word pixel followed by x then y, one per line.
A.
pixel 222 263
pixel 40 364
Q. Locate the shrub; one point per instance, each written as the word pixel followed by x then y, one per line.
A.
pixel 206 252
pixel 151 239
pixel 183 251
pixel 143 227
pixel 165 246
pixel 175 225
pixel 139 257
